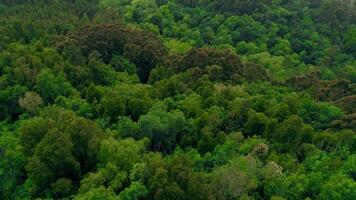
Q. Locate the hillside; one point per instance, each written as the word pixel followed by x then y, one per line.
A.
pixel 178 99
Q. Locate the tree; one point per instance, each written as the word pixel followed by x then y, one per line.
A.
pixel 350 41
pixel 289 133
pixel 12 163
pixel 293 186
pixel 50 86
pixel 9 101
pixel 203 57
pixel 237 116
pixel 145 50
pixel 135 191
pixel 319 115
pixel 86 138
pixel 338 187
pixel 283 47
pixel 97 193
pixel 53 159
pixel 104 4
pixel 238 6
pixel 232 181
pixel 62 187
pixel 143 8
pixel 110 14
pixel 337 14
pixel 121 64
pixel 176 180
pixel 32 131
pixel 30 102
pixel 126 99
pixel 124 153
pixel 163 128
pixel 255 124
pixel 246 48
pixel 60 147
pixel 140 47
pixel 113 105
pixel 191 105
pixel 254 72
pixel 150 99
pixel 100 73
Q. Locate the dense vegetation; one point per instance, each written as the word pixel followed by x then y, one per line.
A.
pixel 178 99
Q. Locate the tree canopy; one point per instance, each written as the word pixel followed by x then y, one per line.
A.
pixel 178 99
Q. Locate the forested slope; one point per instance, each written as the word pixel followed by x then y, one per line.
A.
pixel 178 99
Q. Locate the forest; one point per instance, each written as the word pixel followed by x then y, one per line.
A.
pixel 178 99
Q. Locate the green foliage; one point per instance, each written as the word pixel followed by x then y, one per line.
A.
pixel 123 154
pixel 318 115
pixel 163 128
pixel 46 165
pixel 134 192
pixel 77 142
pixel 140 47
pixel 9 101
pixel 97 193
pixel 256 123
pixel 50 86
pixel 246 48
pixel 338 187
pixel 12 162
pixel 177 99
pixel 350 40
pixel 283 47
pixel 176 46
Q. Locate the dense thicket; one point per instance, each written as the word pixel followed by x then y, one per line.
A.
pixel 178 99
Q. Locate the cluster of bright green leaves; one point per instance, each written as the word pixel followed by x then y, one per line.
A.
pixel 269 27
pixel 93 106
